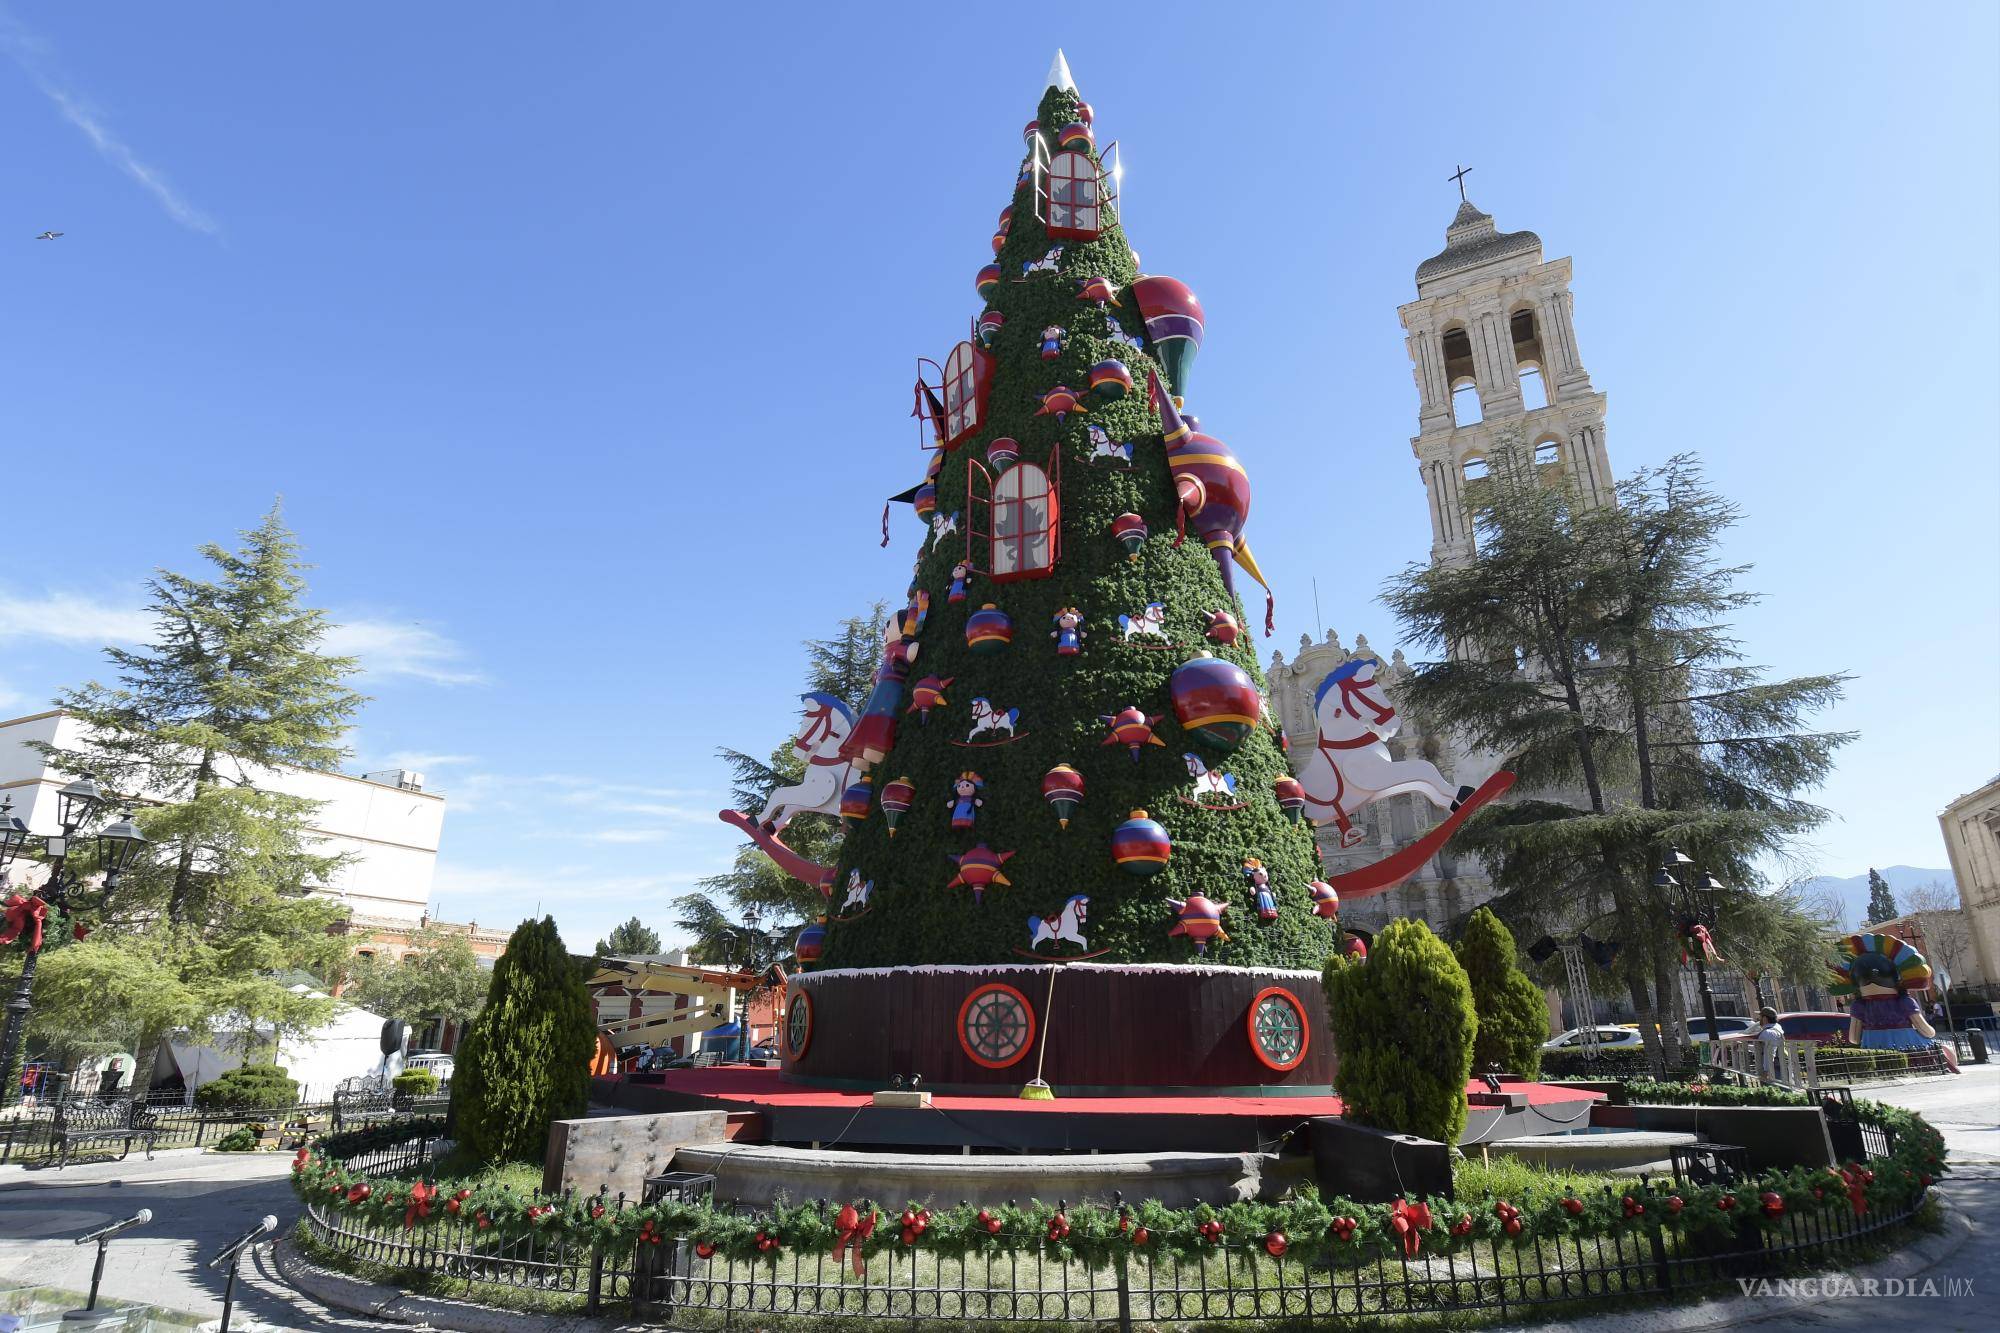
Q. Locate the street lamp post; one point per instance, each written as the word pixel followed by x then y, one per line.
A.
pixel 119 847
pixel 1697 904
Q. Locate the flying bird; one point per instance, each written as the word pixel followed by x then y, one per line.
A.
pixel 48 236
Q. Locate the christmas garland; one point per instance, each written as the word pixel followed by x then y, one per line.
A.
pixel 1095 1235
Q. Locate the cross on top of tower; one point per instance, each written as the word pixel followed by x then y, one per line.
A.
pixel 1460 176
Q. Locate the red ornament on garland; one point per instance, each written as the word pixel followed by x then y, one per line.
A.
pixel 701 1247
pixel 1275 1244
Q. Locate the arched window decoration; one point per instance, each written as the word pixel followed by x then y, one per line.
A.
pixel 1474 469
pixel 1014 529
pixel 1074 209
pixel 968 379
pixel 1534 392
pixel 1546 452
pixel 1465 408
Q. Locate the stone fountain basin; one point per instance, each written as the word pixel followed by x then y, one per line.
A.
pixel 1596 1149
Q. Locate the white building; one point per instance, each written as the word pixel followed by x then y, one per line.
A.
pixel 386 824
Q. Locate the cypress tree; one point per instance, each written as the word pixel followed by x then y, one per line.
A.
pixel 1403 1027
pixel 1513 1016
pixel 1881 902
pixel 1052 333
pixel 525 1058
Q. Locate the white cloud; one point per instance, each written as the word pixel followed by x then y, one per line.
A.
pixel 629 835
pixel 70 618
pixel 31 54
pixel 397 648
pixel 423 761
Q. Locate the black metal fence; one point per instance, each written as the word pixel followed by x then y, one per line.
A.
pixel 34 1134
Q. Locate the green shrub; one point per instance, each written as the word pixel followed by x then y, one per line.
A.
pixel 416 1083
pixel 1403 1028
pixel 244 1138
pixel 525 1059
pixel 1513 1014
pixel 251 1087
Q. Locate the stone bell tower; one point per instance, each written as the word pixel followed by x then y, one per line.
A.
pixel 1494 352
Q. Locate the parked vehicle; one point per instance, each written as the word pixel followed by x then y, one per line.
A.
pixel 1608 1039
pixel 763 1052
pixel 1826 1028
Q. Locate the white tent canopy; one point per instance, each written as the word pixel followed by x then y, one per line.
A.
pixel 349 1045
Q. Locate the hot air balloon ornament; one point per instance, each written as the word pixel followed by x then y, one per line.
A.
pixel 1001 228
pixel 1068 632
pixel 1223 628
pixel 896 799
pixel 1076 135
pixel 978 870
pixel 987 331
pixel 925 502
pixel 1105 450
pixel 988 631
pixel 1131 532
pixel 1062 788
pixel 1199 919
pixel 1214 491
pixel 1085 114
pixel 1053 338
pixel 1032 132
pixel 927 694
pixel 810 946
pixel 1325 899
pixel 1133 728
pixel 1291 797
pixel 966 800
pixel 1003 453
pixel 1141 846
pixel 1259 876
pixel 988 281
pixel 1059 402
pixel 855 801
pixel 1174 325
pixel 1215 702
pixel 1110 381
pixel 1100 290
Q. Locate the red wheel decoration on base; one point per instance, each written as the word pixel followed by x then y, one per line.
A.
pixel 799 1024
pixel 1279 1033
pixel 996 1026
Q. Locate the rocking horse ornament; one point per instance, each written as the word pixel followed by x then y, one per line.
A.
pixel 827 724
pixel 1351 767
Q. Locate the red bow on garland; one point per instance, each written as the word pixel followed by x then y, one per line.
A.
pixel 420 1204
pixel 1697 933
pixel 853 1230
pixel 24 914
pixel 1857 1182
pixel 1409 1220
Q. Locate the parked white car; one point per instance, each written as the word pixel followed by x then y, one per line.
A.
pixel 1608 1039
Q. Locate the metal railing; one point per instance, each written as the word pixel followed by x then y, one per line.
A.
pixel 33 1134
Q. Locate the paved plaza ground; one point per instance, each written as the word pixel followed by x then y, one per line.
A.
pixel 200 1201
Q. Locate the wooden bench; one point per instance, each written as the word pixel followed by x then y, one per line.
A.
pixel 78 1122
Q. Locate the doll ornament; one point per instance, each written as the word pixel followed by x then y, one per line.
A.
pixel 966 800
pixel 1068 632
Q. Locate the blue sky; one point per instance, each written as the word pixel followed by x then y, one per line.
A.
pixel 580 346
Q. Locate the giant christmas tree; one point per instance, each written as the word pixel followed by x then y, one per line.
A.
pixel 1070 385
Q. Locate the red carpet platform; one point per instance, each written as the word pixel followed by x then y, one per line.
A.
pixel 792 1114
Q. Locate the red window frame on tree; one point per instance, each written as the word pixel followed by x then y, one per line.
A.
pixel 1073 207
pixel 1016 518
pixel 968 382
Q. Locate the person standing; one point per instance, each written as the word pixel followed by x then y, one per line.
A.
pixel 1770 1043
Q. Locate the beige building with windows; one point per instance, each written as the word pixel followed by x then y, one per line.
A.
pixel 1972 839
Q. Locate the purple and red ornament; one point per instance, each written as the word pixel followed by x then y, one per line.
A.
pixel 1199 919
pixel 1291 798
pixel 988 280
pixel 1216 702
pixel 977 869
pixel 1140 845
pixel 810 945
pixel 1131 532
pixel 896 799
pixel 1062 788
pixel 988 631
pixel 854 802
pixel 1132 727
pixel 1076 135
pixel 1110 381
pixel 927 694
pixel 1174 325
pixel 1099 289
pixel 1003 453
pixel 1223 628
pixel 987 331
pixel 1059 402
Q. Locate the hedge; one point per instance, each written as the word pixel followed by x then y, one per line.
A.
pixel 249 1088
pixel 1403 1027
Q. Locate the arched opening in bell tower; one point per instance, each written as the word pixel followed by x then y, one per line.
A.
pixel 1461 375
pixel 1526 334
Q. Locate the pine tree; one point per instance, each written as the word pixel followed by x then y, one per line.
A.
pixel 1881 902
pixel 234 683
pixel 1403 1027
pixel 629 939
pixel 1054 331
pixel 1590 646
pixel 1513 1016
pixel 525 1059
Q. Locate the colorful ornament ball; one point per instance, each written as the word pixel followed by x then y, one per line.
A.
pixel 988 631
pixel 1140 845
pixel 989 280
pixel 811 944
pixel 1003 453
pixel 1110 381
pixel 1131 532
pixel 1215 702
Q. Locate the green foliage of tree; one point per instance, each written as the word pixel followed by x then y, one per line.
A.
pixel 629 939
pixel 233 684
pixel 1403 1028
pixel 415 1083
pixel 525 1059
pixel 1062 700
pixel 1590 645
pixel 718 941
pixel 1881 902
pixel 250 1088
pixel 438 979
pixel 1513 1014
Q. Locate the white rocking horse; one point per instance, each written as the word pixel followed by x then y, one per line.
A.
pixel 1064 925
pixel 1351 766
pixel 827 775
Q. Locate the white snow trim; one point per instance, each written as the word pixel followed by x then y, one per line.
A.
pixel 1131 969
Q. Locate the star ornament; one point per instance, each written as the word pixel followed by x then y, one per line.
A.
pixel 977 869
pixel 1132 727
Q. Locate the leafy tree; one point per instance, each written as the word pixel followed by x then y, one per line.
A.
pixel 1881 902
pixel 233 685
pixel 438 979
pixel 717 941
pixel 629 939
pixel 1403 1027
pixel 525 1059
pixel 1513 1015
pixel 1591 647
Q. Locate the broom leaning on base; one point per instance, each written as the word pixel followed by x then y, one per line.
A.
pixel 1036 1090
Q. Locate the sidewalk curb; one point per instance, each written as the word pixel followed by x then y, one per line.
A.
pixel 375 1300
pixel 1912 1260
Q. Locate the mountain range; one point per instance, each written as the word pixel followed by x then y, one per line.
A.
pixel 1853 891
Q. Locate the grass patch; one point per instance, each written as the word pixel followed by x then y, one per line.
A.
pixel 1521 1182
pixel 461 1165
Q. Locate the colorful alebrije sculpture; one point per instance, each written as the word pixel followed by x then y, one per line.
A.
pixel 896 799
pixel 1879 960
pixel 988 631
pixel 856 800
pixel 1174 325
pixel 1199 919
pixel 1110 381
pixel 1131 532
pixel 1062 788
pixel 1140 846
pixel 988 281
pixel 1216 702
pixel 1132 727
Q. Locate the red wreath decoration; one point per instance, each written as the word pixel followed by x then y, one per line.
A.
pixel 24 915
pixel 1408 1220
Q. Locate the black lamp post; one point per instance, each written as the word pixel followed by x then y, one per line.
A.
pixel 119 848
pixel 1697 908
